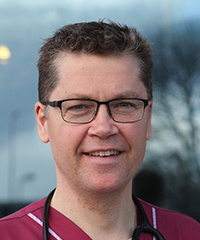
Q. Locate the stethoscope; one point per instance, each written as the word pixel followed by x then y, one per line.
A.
pixel 145 225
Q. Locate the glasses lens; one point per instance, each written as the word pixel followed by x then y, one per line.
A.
pixel 78 111
pixel 127 110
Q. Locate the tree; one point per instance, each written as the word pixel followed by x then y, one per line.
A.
pixel 176 121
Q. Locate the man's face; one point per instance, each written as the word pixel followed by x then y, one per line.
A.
pixel 102 79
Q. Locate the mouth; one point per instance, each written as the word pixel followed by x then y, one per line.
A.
pixel 104 153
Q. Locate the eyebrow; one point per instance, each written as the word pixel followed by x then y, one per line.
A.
pixel 127 94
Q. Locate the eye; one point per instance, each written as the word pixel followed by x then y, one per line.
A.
pixel 78 107
pixel 126 105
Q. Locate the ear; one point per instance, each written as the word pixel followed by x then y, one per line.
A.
pixel 149 128
pixel 41 122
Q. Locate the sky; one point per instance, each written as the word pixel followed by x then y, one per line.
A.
pixel 26 164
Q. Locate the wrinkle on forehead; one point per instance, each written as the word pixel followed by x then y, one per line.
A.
pixel 90 76
pixel 65 58
pixel 126 94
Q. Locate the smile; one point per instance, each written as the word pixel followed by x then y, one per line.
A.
pixel 104 153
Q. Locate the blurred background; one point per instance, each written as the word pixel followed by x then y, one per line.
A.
pixel 172 161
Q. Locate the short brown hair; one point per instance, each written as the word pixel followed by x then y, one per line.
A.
pixel 97 38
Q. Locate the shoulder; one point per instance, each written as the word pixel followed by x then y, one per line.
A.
pixel 173 225
pixel 21 223
pixel 24 211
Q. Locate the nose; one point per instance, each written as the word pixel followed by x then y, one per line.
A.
pixel 103 125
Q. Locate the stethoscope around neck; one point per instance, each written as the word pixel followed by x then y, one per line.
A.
pixel 144 226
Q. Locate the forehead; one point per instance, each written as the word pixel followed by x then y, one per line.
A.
pixel 98 76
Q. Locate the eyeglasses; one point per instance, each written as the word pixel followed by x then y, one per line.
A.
pixel 123 110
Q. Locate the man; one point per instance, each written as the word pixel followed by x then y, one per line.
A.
pixel 95 105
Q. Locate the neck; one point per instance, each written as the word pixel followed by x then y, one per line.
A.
pixel 111 215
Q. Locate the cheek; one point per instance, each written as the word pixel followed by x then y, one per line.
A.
pixel 136 135
pixel 65 141
pixel 64 152
pixel 62 143
pixel 136 139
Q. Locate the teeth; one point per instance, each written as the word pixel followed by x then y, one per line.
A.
pixel 106 153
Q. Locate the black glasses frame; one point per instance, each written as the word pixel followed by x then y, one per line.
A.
pixel 59 104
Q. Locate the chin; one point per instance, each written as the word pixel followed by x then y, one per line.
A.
pixel 108 186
